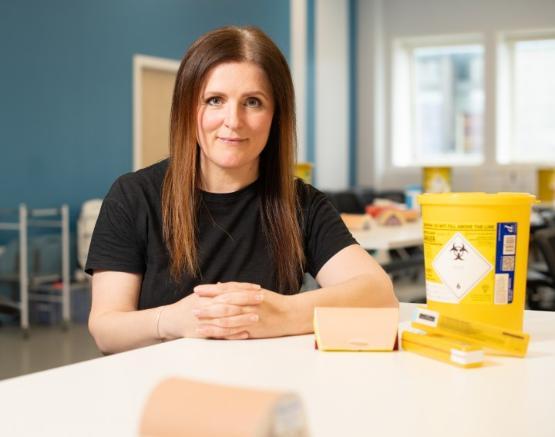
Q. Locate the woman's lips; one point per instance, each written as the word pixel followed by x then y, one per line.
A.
pixel 231 140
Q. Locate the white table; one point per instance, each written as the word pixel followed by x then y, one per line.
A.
pixel 346 394
pixel 390 237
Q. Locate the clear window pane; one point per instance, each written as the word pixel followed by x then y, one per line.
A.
pixel 534 100
pixel 448 102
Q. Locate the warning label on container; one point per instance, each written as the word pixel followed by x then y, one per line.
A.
pixel 460 262
pixel 460 266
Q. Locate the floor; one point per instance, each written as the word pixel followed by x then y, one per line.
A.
pixel 45 348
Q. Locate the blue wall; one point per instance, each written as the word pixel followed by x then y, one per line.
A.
pixel 66 85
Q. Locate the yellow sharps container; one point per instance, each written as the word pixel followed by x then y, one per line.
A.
pixel 436 179
pixel 476 255
pixel 303 170
pixel 546 185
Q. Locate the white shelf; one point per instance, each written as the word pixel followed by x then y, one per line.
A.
pixel 37 218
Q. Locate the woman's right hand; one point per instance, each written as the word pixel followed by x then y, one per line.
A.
pixel 234 313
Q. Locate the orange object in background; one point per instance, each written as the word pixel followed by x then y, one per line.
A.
pixel 391 214
pixel 376 210
pixel 356 222
pixel 391 217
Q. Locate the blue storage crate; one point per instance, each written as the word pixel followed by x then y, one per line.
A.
pixel 43 312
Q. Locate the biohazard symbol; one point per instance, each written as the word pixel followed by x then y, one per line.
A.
pixel 458 251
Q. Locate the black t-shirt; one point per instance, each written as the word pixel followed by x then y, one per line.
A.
pixel 232 246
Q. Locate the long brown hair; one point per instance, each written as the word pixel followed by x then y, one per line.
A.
pixel 278 199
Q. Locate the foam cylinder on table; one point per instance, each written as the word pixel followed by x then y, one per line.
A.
pixel 178 407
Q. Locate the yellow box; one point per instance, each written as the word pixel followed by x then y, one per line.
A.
pixel 449 350
pixel 505 341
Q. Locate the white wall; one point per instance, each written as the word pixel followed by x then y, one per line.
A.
pixel 381 21
pixel 370 121
pixel 331 134
pixel 298 71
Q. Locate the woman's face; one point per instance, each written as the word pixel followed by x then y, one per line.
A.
pixel 234 117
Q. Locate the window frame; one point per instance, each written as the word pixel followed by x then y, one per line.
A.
pixel 403 92
pixel 505 147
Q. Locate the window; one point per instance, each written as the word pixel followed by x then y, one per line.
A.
pixel 438 104
pixel 526 101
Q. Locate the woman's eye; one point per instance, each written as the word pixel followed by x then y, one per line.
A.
pixel 253 102
pixel 215 100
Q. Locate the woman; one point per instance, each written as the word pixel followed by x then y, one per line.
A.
pixel 214 241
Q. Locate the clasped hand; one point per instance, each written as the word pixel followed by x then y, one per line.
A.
pixel 239 310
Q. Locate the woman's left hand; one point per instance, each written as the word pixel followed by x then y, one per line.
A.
pixel 275 316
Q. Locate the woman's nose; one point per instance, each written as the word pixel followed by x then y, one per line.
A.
pixel 233 117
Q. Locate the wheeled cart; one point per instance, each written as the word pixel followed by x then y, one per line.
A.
pixel 38 218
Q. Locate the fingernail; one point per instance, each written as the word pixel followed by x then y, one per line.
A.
pixel 253 318
pixel 255 286
pixel 259 297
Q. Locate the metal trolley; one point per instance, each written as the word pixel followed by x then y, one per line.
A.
pixel 39 218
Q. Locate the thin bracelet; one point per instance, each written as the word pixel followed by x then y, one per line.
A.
pixel 159 337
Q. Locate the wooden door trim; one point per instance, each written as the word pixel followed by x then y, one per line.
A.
pixel 141 63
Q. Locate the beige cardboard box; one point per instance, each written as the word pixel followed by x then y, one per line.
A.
pixel 356 329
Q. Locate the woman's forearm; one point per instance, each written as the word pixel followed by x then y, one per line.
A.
pixel 118 331
pixel 361 291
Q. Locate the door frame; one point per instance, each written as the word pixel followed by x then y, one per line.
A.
pixel 141 63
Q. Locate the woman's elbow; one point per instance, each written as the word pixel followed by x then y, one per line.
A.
pixel 389 292
pixel 96 331
pixel 380 291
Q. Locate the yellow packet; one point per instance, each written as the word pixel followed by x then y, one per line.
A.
pixel 448 350
pixel 506 341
